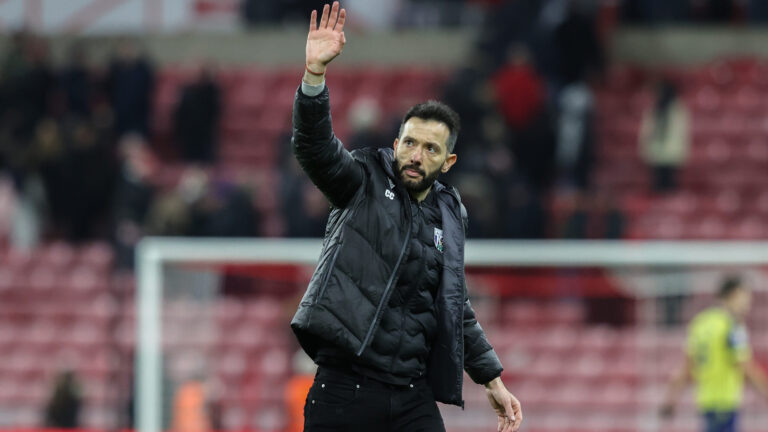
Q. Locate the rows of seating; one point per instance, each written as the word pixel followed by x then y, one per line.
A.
pixel 722 185
pixel 566 370
pixel 56 312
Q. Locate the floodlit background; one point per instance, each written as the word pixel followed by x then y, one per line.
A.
pixel 581 119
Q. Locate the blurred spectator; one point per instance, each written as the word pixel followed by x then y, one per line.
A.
pixel 256 12
pixel 758 11
pixel 665 136
pixel 679 11
pixel 76 82
pixel 472 97
pixel 523 214
pixel 520 96
pixel 655 11
pixel 520 91
pixel 297 388
pixel 15 61
pixel 30 92
pixel 168 215
pixel 507 23
pixel 28 213
pixel 534 150
pixel 85 177
pixel 478 193
pixel 365 122
pixel 576 225
pixel 575 135
pixel 714 10
pixel 612 221
pixel 196 117
pixel 578 48
pixel 305 208
pixel 593 215
pixel 7 205
pixel 284 11
pixel 190 411
pixel 63 408
pixel 572 57
pixel 26 88
pixel 130 83
pixel 218 209
pixel 133 196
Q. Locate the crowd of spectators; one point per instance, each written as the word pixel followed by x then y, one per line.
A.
pixel 76 143
pixel 527 110
pixel 694 11
pixel 378 15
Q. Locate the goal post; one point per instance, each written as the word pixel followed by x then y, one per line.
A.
pixel 176 263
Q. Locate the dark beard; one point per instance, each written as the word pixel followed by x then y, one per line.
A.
pixel 426 180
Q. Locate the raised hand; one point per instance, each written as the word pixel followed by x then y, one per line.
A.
pixel 325 40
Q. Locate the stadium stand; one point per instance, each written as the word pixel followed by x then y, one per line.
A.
pixel 63 301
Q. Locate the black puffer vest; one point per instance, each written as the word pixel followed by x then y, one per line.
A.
pixel 400 348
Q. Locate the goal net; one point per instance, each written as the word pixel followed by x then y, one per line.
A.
pixel 589 332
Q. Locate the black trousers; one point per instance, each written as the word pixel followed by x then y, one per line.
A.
pixel 344 401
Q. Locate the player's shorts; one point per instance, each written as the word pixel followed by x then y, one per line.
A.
pixel 720 421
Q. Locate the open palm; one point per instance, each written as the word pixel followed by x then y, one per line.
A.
pixel 325 40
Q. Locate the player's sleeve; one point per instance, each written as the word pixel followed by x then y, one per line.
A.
pixel 738 341
pixel 321 155
pixel 480 360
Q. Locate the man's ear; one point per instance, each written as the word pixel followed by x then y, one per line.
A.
pixel 394 146
pixel 449 161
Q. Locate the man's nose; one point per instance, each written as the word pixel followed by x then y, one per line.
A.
pixel 416 157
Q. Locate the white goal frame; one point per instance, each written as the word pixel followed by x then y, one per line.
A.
pixel 153 253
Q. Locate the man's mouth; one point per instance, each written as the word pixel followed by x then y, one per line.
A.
pixel 412 172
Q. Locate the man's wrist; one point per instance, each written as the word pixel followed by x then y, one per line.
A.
pixel 313 80
pixel 494 383
pixel 315 69
pixel 314 74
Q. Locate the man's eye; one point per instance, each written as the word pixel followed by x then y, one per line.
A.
pixel 431 149
pixel 408 142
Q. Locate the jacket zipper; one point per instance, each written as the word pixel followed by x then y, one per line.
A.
pixel 392 277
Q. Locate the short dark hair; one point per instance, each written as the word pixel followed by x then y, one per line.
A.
pixel 728 286
pixel 435 110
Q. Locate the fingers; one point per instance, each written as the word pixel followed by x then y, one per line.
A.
pixel 342 19
pixel 508 408
pixel 518 413
pixel 313 21
pixel 508 425
pixel 324 17
pixel 334 15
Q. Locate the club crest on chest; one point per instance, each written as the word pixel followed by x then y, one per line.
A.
pixel 438 237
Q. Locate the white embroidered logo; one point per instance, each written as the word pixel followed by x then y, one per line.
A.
pixel 438 237
pixel 389 194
